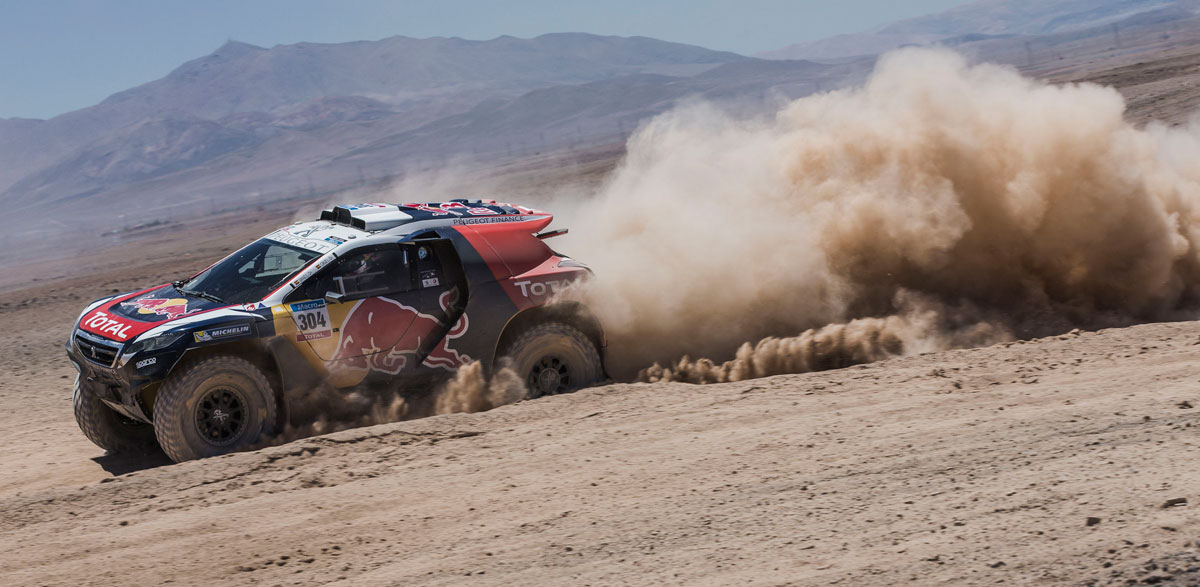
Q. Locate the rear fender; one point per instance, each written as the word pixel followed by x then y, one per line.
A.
pixel 570 313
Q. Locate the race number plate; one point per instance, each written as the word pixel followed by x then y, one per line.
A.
pixel 312 319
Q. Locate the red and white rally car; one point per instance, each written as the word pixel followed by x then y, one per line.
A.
pixel 369 297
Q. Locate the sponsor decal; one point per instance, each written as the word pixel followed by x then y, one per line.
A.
pixel 254 306
pixel 106 324
pixel 307 231
pixel 377 321
pixel 283 236
pixel 430 209
pixel 362 206
pixel 219 333
pixel 312 319
pixel 335 240
pixel 310 271
pixel 172 308
pixel 489 220
pixel 542 288
pixel 429 278
pixel 146 362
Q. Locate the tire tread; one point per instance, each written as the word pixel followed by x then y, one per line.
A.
pixel 98 423
pixel 560 329
pixel 169 402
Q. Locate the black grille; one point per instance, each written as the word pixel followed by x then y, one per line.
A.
pixel 100 353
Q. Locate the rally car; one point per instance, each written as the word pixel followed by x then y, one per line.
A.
pixel 370 296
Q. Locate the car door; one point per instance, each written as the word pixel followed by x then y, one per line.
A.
pixel 443 295
pixel 354 315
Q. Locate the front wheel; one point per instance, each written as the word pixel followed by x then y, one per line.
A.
pixel 554 358
pixel 213 406
pixel 106 428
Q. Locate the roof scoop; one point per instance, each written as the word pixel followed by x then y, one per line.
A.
pixel 368 217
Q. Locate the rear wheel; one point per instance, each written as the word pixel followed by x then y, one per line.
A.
pixel 213 406
pixel 106 428
pixel 554 358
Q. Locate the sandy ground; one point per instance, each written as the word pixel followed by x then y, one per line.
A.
pixel 968 467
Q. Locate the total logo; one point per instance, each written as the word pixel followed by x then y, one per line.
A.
pixel 542 288
pixel 104 324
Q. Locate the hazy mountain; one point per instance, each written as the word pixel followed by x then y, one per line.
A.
pixel 244 78
pixel 251 126
pixel 974 21
pixel 247 121
pixel 560 115
pixel 172 162
pixel 308 85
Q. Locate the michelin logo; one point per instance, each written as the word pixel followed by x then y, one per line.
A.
pixel 219 333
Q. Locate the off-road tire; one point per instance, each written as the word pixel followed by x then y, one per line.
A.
pixel 107 429
pixel 554 346
pixel 190 403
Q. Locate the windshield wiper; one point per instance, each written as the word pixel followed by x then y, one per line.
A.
pixel 200 294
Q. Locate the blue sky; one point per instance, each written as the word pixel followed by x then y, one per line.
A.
pixel 61 55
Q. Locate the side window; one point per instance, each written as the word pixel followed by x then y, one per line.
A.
pixel 367 274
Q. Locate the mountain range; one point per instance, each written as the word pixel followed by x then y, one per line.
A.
pixel 248 124
pixel 246 121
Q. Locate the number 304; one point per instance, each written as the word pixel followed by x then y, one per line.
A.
pixel 310 321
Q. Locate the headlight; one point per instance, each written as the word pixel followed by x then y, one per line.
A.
pixel 161 341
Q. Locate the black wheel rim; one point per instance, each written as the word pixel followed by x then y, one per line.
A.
pixel 548 377
pixel 221 416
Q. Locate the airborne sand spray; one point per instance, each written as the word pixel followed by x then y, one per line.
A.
pixel 322 409
pixel 940 205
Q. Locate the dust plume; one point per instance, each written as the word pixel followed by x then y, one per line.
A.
pixel 472 390
pixel 940 205
pixel 321 409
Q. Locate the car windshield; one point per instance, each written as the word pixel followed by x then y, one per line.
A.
pixel 249 274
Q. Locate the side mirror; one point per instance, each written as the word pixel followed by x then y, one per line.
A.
pixel 333 297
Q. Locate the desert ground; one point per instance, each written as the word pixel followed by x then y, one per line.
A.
pixel 1047 461
pixel 1067 460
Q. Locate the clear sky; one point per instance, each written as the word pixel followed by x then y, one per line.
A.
pixel 61 55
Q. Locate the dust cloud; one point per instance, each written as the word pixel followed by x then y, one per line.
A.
pixel 940 205
pixel 322 409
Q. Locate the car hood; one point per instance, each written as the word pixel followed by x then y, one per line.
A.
pixel 125 317
pixel 161 304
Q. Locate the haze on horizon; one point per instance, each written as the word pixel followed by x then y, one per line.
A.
pixel 61 55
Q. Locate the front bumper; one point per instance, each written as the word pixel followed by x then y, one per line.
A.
pixel 101 372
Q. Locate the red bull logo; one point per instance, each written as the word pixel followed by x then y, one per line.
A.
pixel 170 307
pixel 442 355
pixel 376 322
